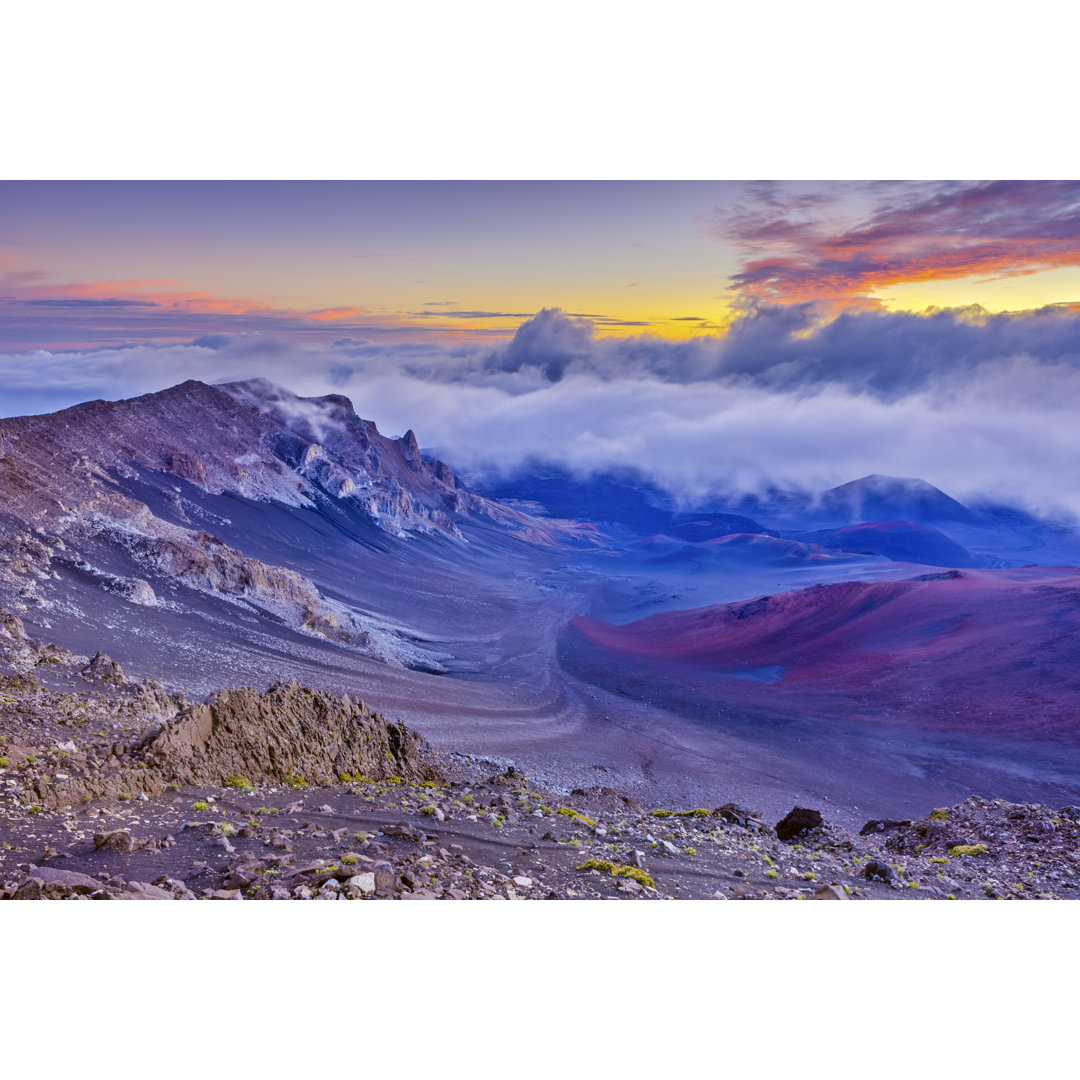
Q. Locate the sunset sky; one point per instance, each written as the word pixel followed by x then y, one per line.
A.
pixel 715 335
pixel 84 264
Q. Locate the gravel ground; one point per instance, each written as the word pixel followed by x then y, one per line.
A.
pixel 476 828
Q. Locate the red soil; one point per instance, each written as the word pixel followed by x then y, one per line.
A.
pixel 993 651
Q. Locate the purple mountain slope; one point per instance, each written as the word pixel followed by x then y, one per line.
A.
pixel 901 541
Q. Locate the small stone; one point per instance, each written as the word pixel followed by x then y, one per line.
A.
pixel 363 883
pixel 402 828
pixel 829 892
pixel 30 889
pixel 243 873
pixel 385 878
pixel 523 882
pixel 142 890
pixel 668 847
pixel 117 840
pixel 174 886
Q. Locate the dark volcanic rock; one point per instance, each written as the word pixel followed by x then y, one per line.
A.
pixel 798 820
pixel 875 870
pixel 885 825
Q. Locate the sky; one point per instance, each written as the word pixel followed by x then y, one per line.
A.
pixel 716 334
pixel 87 263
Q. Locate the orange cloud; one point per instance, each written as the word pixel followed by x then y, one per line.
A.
pixel 335 314
pixel 949 231
pixel 36 311
pixel 162 293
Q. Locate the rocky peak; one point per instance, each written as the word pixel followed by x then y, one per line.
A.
pixel 253 439
pixel 410 449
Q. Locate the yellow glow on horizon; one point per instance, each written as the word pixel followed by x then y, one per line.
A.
pixel 1023 293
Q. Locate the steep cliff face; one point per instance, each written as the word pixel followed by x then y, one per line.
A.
pixel 251 439
pixel 123 491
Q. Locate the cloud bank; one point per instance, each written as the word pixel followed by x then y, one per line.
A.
pixel 978 404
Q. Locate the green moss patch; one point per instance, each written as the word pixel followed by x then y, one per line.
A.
pixel 634 873
pixel 968 849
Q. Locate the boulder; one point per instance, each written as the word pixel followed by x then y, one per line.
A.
pixel 875 870
pixel 103 668
pixel 404 829
pixel 797 821
pixel 829 892
pixel 45 883
pixel 117 840
pixel 360 885
pixel 143 890
pixel 67 880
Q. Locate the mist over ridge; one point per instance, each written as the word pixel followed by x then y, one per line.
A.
pixel 980 405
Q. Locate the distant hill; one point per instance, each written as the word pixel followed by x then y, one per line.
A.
pixel 891 498
pixel 901 541
pixel 625 498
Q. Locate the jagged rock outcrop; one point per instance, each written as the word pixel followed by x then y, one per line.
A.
pixel 287 736
pixel 251 439
pixel 102 668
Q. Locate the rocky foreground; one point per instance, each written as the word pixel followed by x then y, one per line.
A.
pixel 112 788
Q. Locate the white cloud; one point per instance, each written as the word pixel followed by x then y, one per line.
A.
pixel 977 407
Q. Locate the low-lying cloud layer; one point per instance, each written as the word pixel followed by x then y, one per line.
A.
pixel 976 404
